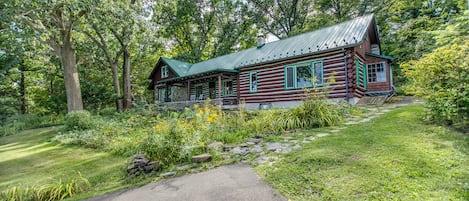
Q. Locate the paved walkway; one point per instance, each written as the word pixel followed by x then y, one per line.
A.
pixel 232 182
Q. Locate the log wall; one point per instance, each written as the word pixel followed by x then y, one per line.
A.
pixel 271 86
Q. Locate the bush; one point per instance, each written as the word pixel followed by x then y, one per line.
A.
pixel 442 78
pixel 165 147
pixel 78 120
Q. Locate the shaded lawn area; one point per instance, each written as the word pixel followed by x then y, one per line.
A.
pixel 30 158
pixel 393 157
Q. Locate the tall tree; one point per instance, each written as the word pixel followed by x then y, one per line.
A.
pixel 281 18
pixel 99 34
pixel 200 29
pixel 56 21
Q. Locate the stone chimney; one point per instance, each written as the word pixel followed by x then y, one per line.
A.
pixel 260 41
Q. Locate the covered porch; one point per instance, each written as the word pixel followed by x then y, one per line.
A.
pixel 217 88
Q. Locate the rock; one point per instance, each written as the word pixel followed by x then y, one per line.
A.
pixel 243 145
pixel 152 166
pixel 183 167
pixel 351 123
pixel 139 156
pixel 294 141
pixel 322 134
pixel 255 140
pixel 240 151
pixel 250 143
pixel 257 149
pixel 168 174
pixel 273 146
pixel 141 162
pixel 130 167
pixel 296 147
pixel 216 146
pixel 201 158
pixel 227 148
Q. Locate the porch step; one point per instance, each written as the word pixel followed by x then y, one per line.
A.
pixel 372 100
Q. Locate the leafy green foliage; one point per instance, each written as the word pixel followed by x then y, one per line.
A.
pixel 165 147
pixel 78 120
pixel 442 76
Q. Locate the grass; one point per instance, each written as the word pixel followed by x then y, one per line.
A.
pixel 31 158
pixel 394 157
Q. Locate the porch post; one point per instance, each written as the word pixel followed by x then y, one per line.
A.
pixel 189 89
pixel 219 86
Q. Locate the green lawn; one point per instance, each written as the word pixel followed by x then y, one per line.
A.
pixel 31 158
pixel 393 157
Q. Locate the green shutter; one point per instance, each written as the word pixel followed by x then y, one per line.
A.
pixel 365 80
pixel 357 72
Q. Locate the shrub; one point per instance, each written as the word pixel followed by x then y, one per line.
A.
pixel 165 147
pixel 442 78
pixel 78 120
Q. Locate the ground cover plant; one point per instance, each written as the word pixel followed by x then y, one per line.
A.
pixel 34 167
pixel 394 157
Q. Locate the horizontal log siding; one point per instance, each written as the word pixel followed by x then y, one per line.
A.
pixel 271 78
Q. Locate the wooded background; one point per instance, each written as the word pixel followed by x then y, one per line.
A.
pixel 58 56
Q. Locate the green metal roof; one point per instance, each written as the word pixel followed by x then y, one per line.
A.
pixel 179 67
pixel 346 34
pixel 379 56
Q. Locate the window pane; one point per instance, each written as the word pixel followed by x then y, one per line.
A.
pixel 377 72
pixel 303 76
pixel 381 73
pixel 318 73
pixel 253 83
pixel 199 92
pixel 161 94
pixel 289 78
pixel 228 88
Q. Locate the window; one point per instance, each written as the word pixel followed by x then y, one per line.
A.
pixel 164 72
pixel 165 94
pixel 228 88
pixel 161 94
pixel 377 72
pixel 253 82
pixel 300 75
pixel 199 92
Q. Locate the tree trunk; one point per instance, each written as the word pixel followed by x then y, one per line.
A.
pixel 72 83
pixel 117 90
pixel 126 80
pixel 22 90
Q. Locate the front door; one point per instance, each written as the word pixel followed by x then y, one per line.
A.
pixel 211 90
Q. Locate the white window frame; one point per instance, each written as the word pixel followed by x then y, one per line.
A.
pixel 224 88
pixel 253 87
pixel 164 72
pixel 370 66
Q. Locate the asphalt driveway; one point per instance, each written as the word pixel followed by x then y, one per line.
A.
pixel 234 182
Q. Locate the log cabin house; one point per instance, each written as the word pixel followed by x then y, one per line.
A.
pixel 275 74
